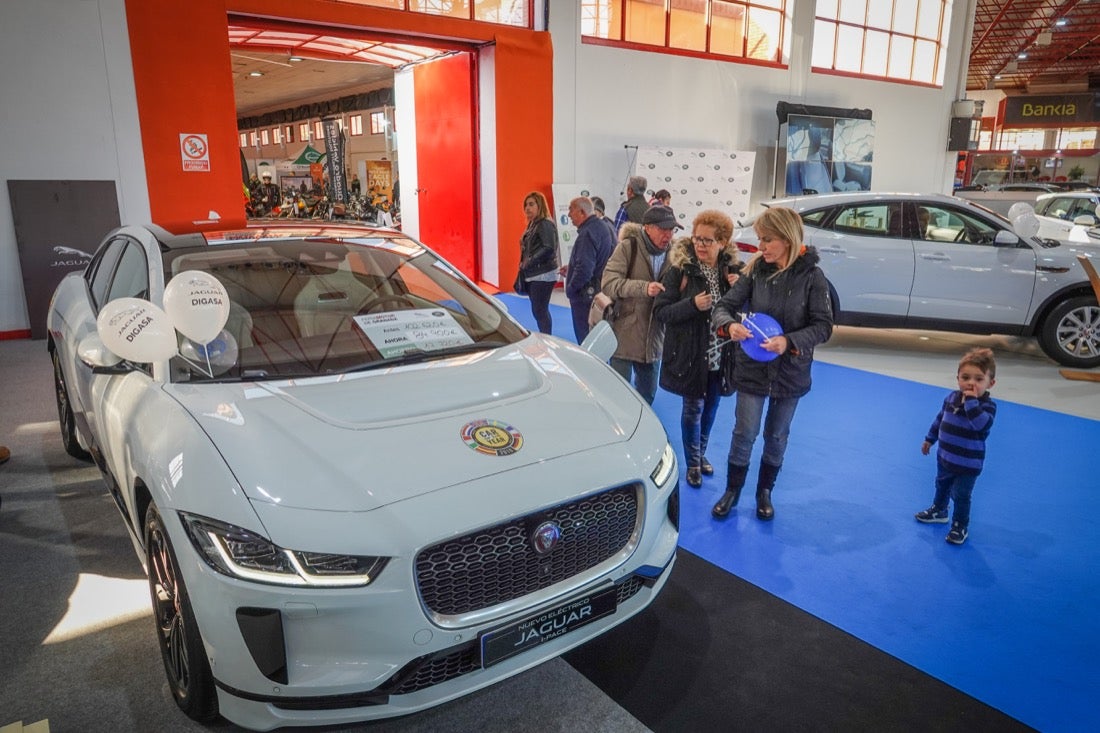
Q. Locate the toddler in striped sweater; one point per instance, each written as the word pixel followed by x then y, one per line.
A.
pixel 961 428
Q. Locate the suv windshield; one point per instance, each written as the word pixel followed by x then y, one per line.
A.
pixel 310 306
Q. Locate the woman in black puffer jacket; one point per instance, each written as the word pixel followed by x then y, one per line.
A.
pixel 783 281
pixel 701 269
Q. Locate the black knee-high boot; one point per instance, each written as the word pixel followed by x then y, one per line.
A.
pixel 765 482
pixel 735 479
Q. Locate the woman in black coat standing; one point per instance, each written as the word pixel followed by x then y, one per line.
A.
pixel 693 365
pixel 539 262
pixel 783 281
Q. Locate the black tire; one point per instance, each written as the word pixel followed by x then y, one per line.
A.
pixel 181 648
pixel 1070 334
pixel 65 413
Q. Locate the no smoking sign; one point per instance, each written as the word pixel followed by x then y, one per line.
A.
pixel 194 152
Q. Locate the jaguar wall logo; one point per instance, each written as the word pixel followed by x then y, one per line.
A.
pixel 69 257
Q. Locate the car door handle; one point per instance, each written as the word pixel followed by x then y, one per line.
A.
pixel 935 257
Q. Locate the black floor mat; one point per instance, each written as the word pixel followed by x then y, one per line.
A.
pixel 715 653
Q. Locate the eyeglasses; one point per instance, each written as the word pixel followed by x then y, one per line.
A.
pixel 704 241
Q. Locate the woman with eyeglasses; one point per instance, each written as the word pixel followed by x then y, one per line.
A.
pixel 694 364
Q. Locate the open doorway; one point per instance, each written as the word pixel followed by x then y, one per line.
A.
pixel 407 124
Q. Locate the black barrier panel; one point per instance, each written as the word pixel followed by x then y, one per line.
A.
pixel 58 226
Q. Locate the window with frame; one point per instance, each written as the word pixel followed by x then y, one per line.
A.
pixel 244 139
pixel 253 138
pixel 277 135
pixel 264 138
pixel 903 40
pixel 733 30
pixel 318 130
pixel 504 12
pixel 303 132
pixel 377 123
pixel 288 133
pixel 355 124
pixel 869 220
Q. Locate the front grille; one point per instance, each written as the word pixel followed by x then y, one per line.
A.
pixel 498 564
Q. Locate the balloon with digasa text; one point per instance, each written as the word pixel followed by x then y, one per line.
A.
pixel 197 304
pixel 136 330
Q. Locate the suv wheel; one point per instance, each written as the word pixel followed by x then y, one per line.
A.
pixel 1070 334
pixel 181 647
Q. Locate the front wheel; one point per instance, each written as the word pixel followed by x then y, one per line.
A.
pixel 65 413
pixel 1070 334
pixel 181 648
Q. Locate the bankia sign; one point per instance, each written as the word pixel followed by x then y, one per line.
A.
pixel 1052 109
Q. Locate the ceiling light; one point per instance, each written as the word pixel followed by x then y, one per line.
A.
pixel 295 58
pixel 1022 56
pixel 255 73
pixel 1060 22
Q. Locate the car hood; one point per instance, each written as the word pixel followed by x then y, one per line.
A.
pixel 356 442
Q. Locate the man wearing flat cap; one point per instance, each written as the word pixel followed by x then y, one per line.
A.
pixel 632 279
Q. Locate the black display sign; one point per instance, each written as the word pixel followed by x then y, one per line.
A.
pixel 1051 109
pixel 334 160
pixel 58 226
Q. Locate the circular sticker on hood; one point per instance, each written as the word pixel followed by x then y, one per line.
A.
pixel 492 437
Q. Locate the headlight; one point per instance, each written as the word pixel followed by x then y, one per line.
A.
pixel 664 467
pixel 242 554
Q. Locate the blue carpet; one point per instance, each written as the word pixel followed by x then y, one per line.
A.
pixel 1008 618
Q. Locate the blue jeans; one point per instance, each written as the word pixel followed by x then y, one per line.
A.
pixel 645 375
pixel 957 486
pixel 697 418
pixel 777 427
pixel 539 291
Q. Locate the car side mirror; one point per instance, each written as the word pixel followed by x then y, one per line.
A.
pixel 1085 220
pixel 94 354
pixel 1005 237
pixel 600 341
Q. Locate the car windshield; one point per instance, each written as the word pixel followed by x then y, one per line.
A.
pixel 311 306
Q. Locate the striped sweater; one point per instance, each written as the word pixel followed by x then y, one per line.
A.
pixel 961 428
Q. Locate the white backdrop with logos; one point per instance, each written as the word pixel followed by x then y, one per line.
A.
pixel 699 179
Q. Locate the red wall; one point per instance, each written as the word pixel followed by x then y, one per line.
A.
pixel 184 84
pixel 446 154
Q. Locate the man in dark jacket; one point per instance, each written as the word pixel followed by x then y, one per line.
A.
pixel 586 262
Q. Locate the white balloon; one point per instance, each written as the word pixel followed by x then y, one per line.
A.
pixel 1026 225
pixel 197 304
pixel 136 330
pixel 220 352
pixel 1018 209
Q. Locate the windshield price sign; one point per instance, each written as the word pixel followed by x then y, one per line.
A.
pixel 422 329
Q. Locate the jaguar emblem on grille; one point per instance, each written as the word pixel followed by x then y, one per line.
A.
pixel 545 537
